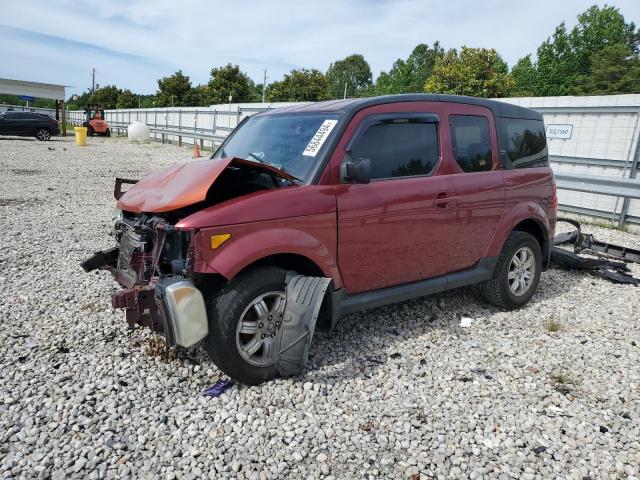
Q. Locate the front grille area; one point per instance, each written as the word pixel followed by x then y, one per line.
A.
pixel 128 245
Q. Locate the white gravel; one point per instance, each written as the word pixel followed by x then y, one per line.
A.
pixel 398 392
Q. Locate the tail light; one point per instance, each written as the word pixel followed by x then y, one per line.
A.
pixel 554 200
pixel 54 121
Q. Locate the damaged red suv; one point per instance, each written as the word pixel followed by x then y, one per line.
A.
pixel 389 198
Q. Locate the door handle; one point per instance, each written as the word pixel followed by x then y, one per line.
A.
pixel 442 200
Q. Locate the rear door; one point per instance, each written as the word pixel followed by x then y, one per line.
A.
pixel 395 229
pixel 478 184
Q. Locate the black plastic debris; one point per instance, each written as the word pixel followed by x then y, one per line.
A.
pixel 219 388
pixel 304 299
pixel 603 266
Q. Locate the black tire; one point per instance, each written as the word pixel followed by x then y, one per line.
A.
pixel 224 310
pixel 43 134
pixel 90 131
pixel 497 289
pixel 107 133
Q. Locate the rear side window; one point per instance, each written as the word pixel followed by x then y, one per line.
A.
pixel 524 142
pixel 399 148
pixel 471 142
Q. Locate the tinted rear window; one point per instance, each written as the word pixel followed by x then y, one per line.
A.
pixel 523 141
pixel 471 142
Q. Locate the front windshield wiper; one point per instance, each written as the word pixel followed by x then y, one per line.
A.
pixel 256 157
pixel 277 167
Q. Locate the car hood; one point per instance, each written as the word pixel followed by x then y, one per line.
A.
pixel 182 185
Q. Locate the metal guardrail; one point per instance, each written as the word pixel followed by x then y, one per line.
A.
pixel 619 187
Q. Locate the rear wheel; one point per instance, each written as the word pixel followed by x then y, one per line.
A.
pixel 43 134
pixel 107 132
pixel 90 131
pixel 244 317
pixel 517 273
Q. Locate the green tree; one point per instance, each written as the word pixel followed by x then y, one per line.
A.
pixel 175 90
pixel 38 102
pixel 107 97
pixel 81 102
pixel 478 72
pixel 614 69
pixel 352 71
pixel 565 61
pixel 147 101
pixel 524 76
pixel 229 80
pixel 410 75
pixel 127 99
pixel 299 86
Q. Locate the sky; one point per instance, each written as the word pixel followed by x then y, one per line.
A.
pixel 132 43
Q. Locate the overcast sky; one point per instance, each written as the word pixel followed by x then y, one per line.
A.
pixel 133 43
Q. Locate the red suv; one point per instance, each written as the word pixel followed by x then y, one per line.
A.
pixel 390 198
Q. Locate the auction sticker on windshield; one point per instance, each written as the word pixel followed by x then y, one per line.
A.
pixel 319 138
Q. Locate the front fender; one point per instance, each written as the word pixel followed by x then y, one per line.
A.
pixel 310 236
pixel 518 213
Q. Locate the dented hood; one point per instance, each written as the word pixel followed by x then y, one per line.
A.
pixel 183 184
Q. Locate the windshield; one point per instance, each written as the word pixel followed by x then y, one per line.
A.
pixel 288 142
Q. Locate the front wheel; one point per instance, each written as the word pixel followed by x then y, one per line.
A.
pixel 107 132
pixel 244 318
pixel 517 273
pixel 43 134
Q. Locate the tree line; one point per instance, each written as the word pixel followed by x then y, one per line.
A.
pixel 600 55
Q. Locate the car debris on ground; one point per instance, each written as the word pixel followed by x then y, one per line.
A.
pixel 599 263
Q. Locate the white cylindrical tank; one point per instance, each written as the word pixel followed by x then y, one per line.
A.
pixel 138 132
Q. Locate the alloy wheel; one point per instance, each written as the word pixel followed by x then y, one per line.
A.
pixel 257 328
pixel 522 270
pixel 43 134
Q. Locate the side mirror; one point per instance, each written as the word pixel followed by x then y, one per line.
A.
pixel 355 170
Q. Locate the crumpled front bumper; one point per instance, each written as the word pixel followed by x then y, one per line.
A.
pixel 170 304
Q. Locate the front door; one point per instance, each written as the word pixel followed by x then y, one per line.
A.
pixel 9 124
pixel 396 228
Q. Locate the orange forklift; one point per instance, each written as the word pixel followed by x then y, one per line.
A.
pixel 95 122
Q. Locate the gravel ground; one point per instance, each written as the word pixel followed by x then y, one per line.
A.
pixel 550 391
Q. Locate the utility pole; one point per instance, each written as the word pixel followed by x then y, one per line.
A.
pixel 264 86
pixel 93 79
pixel 345 90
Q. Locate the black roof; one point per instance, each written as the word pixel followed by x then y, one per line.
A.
pixel 353 105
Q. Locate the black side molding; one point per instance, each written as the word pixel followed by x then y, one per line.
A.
pixel 343 303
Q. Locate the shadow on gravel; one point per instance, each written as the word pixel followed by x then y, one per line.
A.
pixel 31 139
pixel 366 341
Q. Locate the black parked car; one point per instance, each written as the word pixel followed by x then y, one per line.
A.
pixel 28 124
